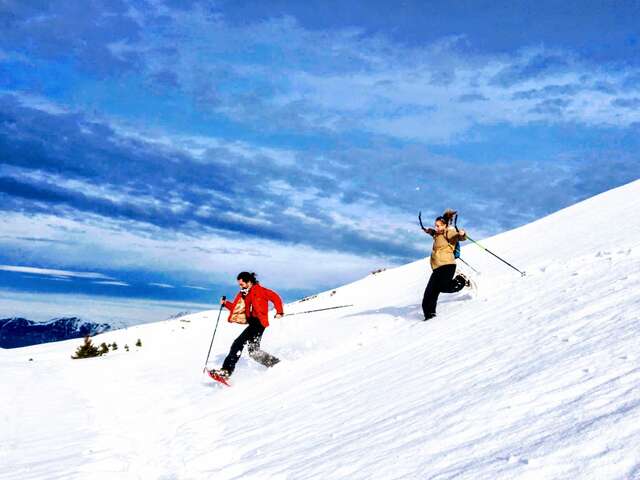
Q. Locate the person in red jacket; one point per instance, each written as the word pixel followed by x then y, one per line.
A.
pixel 250 307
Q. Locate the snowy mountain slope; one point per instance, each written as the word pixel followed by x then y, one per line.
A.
pixel 20 332
pixel 536 378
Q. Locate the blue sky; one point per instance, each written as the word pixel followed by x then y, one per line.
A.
pixel 166 145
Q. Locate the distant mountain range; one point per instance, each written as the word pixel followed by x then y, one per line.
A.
pixel 20 332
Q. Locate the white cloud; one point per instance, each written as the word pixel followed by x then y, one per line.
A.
pixel 52 272
pixel 341 80
pixel 94 190
pixel 197 146
pixel 37 102
pixel 96 242
pixel 403 100
pixel 114 283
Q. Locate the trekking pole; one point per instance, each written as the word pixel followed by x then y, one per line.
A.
pixel 501 259
pixel 214 334
pixel 313 311
pixel 420 220
pixel 468 265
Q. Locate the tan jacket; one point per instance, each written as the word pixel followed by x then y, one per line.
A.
pixel 443 246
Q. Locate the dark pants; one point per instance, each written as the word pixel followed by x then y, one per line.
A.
pixel 441 281
pixel 251 337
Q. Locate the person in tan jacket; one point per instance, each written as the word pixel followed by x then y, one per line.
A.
pixel 443 263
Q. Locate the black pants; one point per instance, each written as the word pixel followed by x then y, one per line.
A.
pixel 251 337
pixel 441 281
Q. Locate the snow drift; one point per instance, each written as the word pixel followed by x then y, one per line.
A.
pixel 534 378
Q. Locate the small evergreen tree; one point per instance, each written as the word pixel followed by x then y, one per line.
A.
pixel 86 350
pixel 139 343
pixel 114 346
pixel 126 347
pixel 103 349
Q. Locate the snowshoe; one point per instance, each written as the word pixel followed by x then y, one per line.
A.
pixel 220 376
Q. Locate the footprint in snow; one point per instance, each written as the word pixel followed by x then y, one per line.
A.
pixel 515 459
pixel 571 339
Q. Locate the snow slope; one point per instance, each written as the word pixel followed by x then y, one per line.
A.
pixel 534 378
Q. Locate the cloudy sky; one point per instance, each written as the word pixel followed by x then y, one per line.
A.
pixel 153 149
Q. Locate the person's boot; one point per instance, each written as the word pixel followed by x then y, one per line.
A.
pixel 462 278
pixel 221 372
pixel 428 316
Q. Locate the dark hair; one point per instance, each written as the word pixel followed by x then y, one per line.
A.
pixel 442 219
pixel 247 277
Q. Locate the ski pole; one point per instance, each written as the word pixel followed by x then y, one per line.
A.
pixel 468 265
pixel 420 220
pixel 214 334
pixel 501 259
pixel 318 310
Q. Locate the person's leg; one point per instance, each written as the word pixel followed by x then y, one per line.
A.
pixel 262 357
pixel 452 283
pixel 439 280
pixel 259 355
pixel 430 297
pixel 254 330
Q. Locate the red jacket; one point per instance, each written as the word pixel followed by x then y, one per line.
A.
pixel 257 303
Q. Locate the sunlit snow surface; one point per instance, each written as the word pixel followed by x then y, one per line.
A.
pixel 533 378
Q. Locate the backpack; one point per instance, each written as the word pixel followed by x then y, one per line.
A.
pixel 450 215
pixel 456 250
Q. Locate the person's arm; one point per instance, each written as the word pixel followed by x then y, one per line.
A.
pixel 226 303
pixel 429 231
pixel 274 298
pixel 452 234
